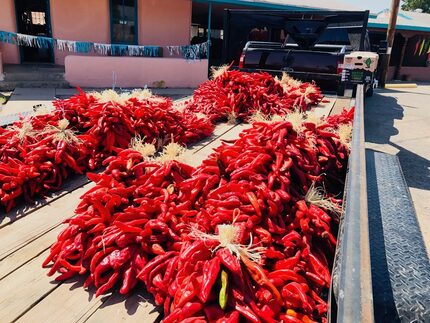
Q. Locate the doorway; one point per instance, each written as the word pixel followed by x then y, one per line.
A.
pixel 33 18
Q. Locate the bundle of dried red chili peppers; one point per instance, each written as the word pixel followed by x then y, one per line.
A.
pixel 249 234
pixel 104 124
pixel 126 219
pixel 39 152
pixel 34 161
pixel 234 95
pixel 263 227
pixel 114 119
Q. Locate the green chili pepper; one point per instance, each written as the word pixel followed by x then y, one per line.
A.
pixel 223 293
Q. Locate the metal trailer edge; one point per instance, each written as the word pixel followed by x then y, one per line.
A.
pixel 351 296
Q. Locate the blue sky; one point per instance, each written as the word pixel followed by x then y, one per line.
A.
pixel 372 5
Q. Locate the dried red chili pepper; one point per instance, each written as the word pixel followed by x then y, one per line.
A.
pixel 211 270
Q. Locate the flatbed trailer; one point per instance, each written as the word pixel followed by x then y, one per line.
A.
pixel 27 294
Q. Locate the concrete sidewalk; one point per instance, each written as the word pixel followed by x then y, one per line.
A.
pixel 397 122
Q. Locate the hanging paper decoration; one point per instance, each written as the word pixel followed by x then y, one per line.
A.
pixel 417 45
pixel 34 41
pixel 102 49
pixel 26 40
pixel 66 45
pixel 133 50
pixel 173 50
pixel 422 46
pixel 119 50
pixel 189 52
pixel 194 52
pixel 83 47
pixel 152 51
pixel 7 37
pixel 44 42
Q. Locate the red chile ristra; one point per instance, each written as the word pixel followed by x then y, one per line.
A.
pixel 34 162
pixel 134 227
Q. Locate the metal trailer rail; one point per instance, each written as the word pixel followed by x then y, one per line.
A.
pixel 351 299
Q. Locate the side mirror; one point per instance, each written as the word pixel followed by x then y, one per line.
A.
pixel 383 47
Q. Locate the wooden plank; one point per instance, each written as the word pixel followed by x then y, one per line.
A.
pixel 219 130
pixel 118 308
pixel 340 104
pixel 25 209
pixel 30 251
pixel 66 304
pixel 24 288
pixel 324 108
pixel 14 237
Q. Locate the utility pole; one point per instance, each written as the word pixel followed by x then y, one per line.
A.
pixel 390 39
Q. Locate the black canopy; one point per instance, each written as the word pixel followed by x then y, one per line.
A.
pixel 304 28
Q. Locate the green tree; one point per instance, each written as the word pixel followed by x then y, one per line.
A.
pixel 410 5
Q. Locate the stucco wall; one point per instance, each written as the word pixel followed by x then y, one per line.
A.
pixel 164 22
pixel 410 73
pixel 160 22
pixel 10 53
pixel 134 71
pixel 81 20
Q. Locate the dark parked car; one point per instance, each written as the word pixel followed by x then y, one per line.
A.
pixel 309 46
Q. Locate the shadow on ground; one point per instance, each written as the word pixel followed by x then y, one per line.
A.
pixel 379 117
pixel 400 264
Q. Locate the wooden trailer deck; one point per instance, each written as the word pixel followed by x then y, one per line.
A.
pixel 27 294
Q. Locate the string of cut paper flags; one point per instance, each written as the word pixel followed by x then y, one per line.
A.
pixel 422 46
pixel 189 52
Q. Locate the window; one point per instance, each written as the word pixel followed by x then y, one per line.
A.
pixel 259 34
pixel 38 18
pixel 252 59
pixel 123 21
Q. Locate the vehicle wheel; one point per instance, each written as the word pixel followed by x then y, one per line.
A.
pixel 369 92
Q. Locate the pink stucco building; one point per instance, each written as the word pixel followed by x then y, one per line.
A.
pixel 145 22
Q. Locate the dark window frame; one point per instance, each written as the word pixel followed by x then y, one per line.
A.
pixel 51 59
pixel 136 24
